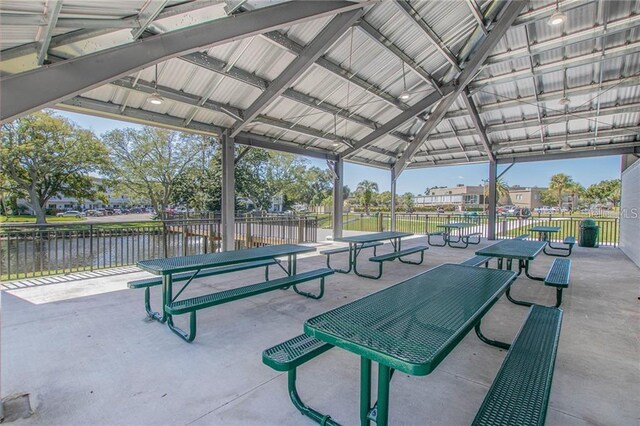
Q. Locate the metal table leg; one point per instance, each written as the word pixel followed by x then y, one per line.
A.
pixel 365 390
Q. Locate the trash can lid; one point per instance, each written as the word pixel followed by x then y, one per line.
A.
pixel 588 223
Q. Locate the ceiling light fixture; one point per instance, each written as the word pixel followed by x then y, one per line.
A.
pixel 155 97
pixel 558 18
pixel 564 101
pixel 405 94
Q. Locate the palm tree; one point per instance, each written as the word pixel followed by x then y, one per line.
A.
pixel 502 190
pixel 560 183
pixel 365 190
pixel 577 191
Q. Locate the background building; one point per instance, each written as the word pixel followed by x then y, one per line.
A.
pixel 462 196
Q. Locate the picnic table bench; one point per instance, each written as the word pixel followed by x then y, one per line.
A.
pixel 147 283
pixel 404 327
pixel 519 393
pixel 460 240
pixel 524 252
pixel 359 242
pixel 188 268
pixel 544 235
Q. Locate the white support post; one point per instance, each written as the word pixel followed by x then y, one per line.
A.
pixel 393 200
pixel 493 177
pixel 228 193
pixel 338 197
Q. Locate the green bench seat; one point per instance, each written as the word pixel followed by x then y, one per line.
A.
pixel 346 249
pixel 146 283
pixel 520 392
pixel 194 304
pixel 522 237
pixel 465 240
pixel 558 277
pixel 398 255
pixel 338 250
pixel 477 261
pixel 569 242
pixel 289 355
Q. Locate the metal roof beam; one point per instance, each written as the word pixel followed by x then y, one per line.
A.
pixel 410 12
pixel 106 26
pixel 143 86
pixel 545 12
pixel 329 35
pixel 36 89
pixel 598 31
pixel 386 44
pixel 148 15
pixel 107 109
pixel 395 122
pixel 576 61
pixel 587 152
pixel 52 13
pixel 477 14
pixel 285 42
pixel 509 13
pixel 477 122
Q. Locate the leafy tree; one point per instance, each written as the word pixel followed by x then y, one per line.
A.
pixel 384 200
pixel 43 155
pixel 346 192
pixel 365 191
pixel 408 201
pixel 560 183
pixel 611 190
pixel 576 190
pixel 548 198
pixel 502 190
pixel 149 161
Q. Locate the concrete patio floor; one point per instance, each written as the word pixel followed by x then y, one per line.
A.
pixel 86 354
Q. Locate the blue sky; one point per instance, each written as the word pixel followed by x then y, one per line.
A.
pixel 586 171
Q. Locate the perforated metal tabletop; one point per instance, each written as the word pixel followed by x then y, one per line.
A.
pixel 378 236
pixel 173 265
pixel 513 249
pixel 413 325
pixel 456 225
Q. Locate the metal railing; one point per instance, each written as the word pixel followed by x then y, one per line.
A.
pixel 28 251
pixel 506 226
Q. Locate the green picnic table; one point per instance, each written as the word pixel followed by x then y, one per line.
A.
pixel 412 326
pixel 168 267
pixel 459 227
pixel 545 231
pixel 358 242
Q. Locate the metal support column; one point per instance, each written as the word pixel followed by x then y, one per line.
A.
pixel 228 193
pixel 493 177
pixel 393 199
pixel 338 197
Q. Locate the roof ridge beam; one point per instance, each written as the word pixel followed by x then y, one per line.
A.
pixel 323 41
pixel 413 15
pixel 38 88
pixel 388 45
pixel 508 14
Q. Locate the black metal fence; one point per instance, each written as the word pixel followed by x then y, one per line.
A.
pixel 28 251
pixel 506 226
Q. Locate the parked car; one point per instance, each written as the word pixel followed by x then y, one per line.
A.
pixel 440 210
pixel 71 213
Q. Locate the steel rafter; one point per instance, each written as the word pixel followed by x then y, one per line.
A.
pixel 35 89
pixel 52 13
pixel 329 35
pixel 410 12
pixel 477 123
pixel 510 13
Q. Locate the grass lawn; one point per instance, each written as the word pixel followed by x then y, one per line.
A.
pixel 32 219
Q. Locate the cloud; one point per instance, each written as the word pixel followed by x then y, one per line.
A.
pixel 460 177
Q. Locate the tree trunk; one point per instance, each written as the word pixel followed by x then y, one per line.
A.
pixel 34 202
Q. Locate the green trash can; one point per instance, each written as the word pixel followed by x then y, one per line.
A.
pixel 589 233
